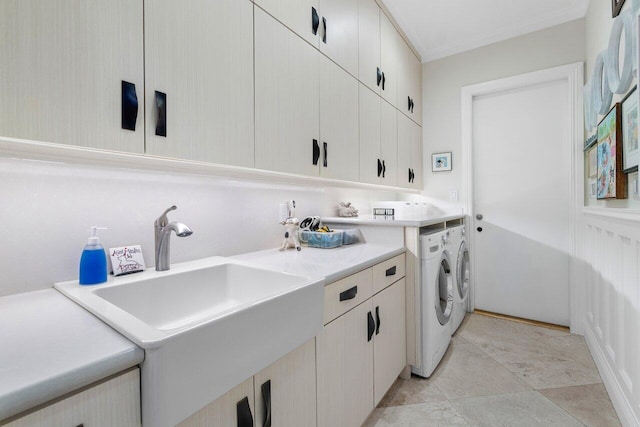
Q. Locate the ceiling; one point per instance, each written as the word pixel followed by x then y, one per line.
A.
pixel 439 28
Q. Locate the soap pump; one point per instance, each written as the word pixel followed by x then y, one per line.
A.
pixel 93 263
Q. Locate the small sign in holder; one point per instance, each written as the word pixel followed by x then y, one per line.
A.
pixel 127 259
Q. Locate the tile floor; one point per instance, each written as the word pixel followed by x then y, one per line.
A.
pixel 502 373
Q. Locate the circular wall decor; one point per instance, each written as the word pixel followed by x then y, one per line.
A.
pixel 601 94
pixel 619 82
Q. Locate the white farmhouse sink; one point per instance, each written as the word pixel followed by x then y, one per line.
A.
pixel 205 325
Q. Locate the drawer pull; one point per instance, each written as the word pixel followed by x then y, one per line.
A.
pixel 390 271
pixel 243 413
pixel 349 294
pixel 266 398
pixel 161 109
pixel 129 106
pixel 371 326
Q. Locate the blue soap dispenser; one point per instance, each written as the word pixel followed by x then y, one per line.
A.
pixel 93 263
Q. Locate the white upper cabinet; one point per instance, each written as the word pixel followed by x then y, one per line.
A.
pixel 389 143
pixel 199 54
pixel 369 71
pixel 62 68
pixel 339 32
pixel 286 99
pixel 301 16
pixel 389 56
pixel 409 83
pixel 338 123
pixel 409 153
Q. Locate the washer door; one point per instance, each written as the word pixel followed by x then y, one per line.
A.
pixel 444 290
pixel 463 270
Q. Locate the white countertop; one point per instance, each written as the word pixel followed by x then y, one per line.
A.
pixel 332 264
pixel 404 221
pixel 52 346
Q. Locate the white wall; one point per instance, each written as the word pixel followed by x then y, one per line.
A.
pixel 443 79
pixel 47 207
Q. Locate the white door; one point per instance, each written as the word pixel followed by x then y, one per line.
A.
pixel 522 195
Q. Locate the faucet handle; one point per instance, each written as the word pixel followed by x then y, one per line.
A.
pixel 162 220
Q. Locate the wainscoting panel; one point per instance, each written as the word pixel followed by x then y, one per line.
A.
pixel 610 259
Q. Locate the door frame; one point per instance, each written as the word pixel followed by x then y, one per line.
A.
pixel 573 74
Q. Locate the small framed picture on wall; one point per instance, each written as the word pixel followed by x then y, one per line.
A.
pixel 630 131
pixel 612 183
pixel 441 162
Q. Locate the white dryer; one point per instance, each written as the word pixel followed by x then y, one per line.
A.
pixel 436 301
pixel 460 255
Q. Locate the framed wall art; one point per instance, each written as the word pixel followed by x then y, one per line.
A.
pixel 593 162
pixel 611 182
pixel 593 188
pixel 630 132
pixel 441 162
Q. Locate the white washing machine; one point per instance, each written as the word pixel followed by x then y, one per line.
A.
pixel 460 256
pixel 436 301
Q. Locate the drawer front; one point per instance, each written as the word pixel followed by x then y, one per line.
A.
pixel 343 295
pixel 388 272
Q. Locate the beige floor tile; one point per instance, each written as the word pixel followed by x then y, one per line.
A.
pixel 466 371
pixel 588 403
pixel 432 414
pixel 411 391
pixel 526 409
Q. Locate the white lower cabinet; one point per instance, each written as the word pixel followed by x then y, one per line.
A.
pixel 115 402
pixel 283 394
pixel 361 352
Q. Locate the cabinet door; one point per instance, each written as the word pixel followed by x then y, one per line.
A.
pixel 369 44
pixel 286 390
pixel 390 352
pixel 339 32
pixel 409 83
pixel 389 56
pixel 389 143
pixel 225 410
pixel 345 370
pixel 338 122
pixel 200 54
pixel 62 67
pixel 113 403
pixel 287 99
pixel 409 153
pixel 370 127
pixel 296 15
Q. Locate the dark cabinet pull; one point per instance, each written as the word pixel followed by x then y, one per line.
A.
pixel 390 271
pixel 349 294
pixel 129 106
pixel 412 104
pixel 408 103
pixel 379 75
pixel 324 34
pixel 316 152
pixel 377 320
pixel 80 425
pixel 379 168
pixel 324 161
pixel 409 174
pixel 243 413
pixel 384 79
pixel 371 326
pixel 161 107
pixel 413 176
pixel 266 399
pixel 315 21
pixel 384 168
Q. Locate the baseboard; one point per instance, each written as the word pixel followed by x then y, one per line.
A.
pixel 624 408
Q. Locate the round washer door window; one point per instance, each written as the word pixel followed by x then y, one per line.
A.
pixel 444 291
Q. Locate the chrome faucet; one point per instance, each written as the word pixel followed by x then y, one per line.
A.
pixel 163 229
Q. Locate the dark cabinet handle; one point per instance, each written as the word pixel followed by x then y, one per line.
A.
pixel 324 161
pixel 349 294
pixel 80 425
pixel 409 174
pixel 161 107
pixel 243 413
pixel 384 168
pixel 266 399
pixel 316 152
pixel 379 168
pixel 324 34
pixel 315 21
pixel 390 271
pixel 408 103
pixel 379 75
pixel 129 106
pixel 371 326
pixel 412 104
pixel 377 320
pixel 384 79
